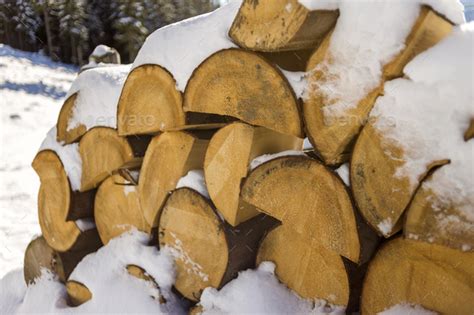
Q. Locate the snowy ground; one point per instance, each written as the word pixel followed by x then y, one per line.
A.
pixel 32 88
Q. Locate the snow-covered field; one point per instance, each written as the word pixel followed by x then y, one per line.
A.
pixel 32 88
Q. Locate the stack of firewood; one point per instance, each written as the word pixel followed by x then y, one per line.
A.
pixel 326 237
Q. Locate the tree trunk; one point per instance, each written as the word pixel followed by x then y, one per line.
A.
pixel 49 35
pixel 207 251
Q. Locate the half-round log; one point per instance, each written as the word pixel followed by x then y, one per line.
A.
pixel 381 197
pixel 102 151
pixel 435 277
pixel 228 156
pixel 278 25
pixel 63 134
pixel 77 293
pixel 57 203
pixel 117 209
pixel 207 251
pixel 150 102
pixel 312 200
pixel 311 270
pixel 332 137
pixel 246 86
pixel 170 156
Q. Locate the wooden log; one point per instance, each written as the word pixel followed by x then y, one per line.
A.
pixel 280 25
pixel 39 255
pixel 438 278
pixel 150 102
pixel 102 151
pixel 77 293
pixel 59 207
pixel 169 157
pixel 246 86
pixel 117 209
pixel 311 270
pixel 333 138
pixel 227 161
pixel 207 251
pixel 63 134
pixel 429 220
pixel 304 194
pixel 381 197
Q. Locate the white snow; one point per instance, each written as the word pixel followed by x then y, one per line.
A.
pixel 297 80
pixel 85 224
pixel 105 275
pixel 102 50
pixel 32 88
pixel 343 172
pixel 307 145
pixel 69 156
pixel 367 36
pixel 259 160
pixel 259 292
pixel 385 226
pixel 407 309
pixel 431 109
pixel 99 91
pixel 194 179
pixel 128 188
pixel 182 46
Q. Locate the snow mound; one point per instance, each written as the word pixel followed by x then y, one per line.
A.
pixel 99 91
pixel 259 292
pixel 407 309
pixel 431 109
pixel 194 179
pixel 367 36
pixel 102 50
pixel 182 46
pixel 259 160
pixel 69 156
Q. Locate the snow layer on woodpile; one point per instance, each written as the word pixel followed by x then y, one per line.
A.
pixel 259 160
pixel 407 309
pixel 194 179
pixel 367 36
pixel 69 156
pixel 98 94
pixel 259 292
pixel 182 46
pixel 427 113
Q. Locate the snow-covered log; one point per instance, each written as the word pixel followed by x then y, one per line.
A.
pixel 244 85
pixel 343 86
pixel 227 162
pixel 280 25
pixel 170 156
pixel 208 252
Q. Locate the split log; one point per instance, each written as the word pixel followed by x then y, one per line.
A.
pixel 438 278
pixel 228 156
pixel 208 252
pixel 169 157
pixel 63 134
pixel 427 221
pixel 102 151
pixel 381 196
pixel 246 86
pixel 77 293
pixel 149 102
pixel 117 209
pixel 270 25
pixel 332 138
pixel 304 194
pixel 311 270
pixel 59 207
